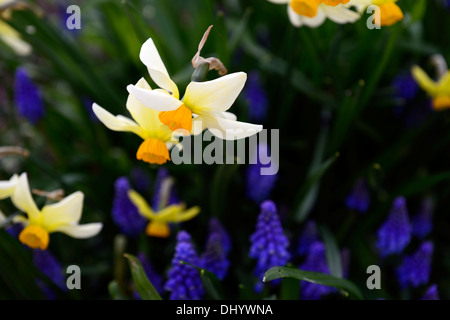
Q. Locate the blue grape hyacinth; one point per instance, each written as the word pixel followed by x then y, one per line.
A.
pixel 27 97
pixel 415 268
pixel 256 97
pixel 47 263
pixel 359 197
pixel 163 198
pixel 395 233
pixel 124 213
pixel 184 282
pixel 214 258
pixel 269 244
pixel 316 262
pixel 431 293
pixel 308 236
pixel 156 279
pixel 405 86
pixel 422 221
pixel 259 187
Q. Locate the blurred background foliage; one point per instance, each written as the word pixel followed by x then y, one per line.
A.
pixel 330 95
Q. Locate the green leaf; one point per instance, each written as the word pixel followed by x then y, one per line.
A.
pixel 418 10
pixel 210 282
pixel 332 252
pixel 313 277
pixel 114 291
pixel 424 183
pixel 145 288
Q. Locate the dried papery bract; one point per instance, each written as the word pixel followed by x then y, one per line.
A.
pixel 214 63
pixel 55 195
pixel 8 151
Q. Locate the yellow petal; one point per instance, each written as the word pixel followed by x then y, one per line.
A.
pixel 64 212
pixel 424 81
pixel 23 200
pixel 80 231
pixel 7 187
pixel 117 123
pixel 140 203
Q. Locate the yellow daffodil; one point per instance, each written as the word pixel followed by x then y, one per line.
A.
pixel 206 101
pixel 11 37
pixel 313 13
pixel 438 90
pixel 62 216
pixel 159 221
pixel 390 12
pixel 157 136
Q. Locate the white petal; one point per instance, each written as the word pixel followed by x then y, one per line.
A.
pixel 340 14
pixel 117 123
pixel 299 20
pixel 153 99
pixel 23 200
pixel 66 211
pixel 80 231
pixel 7 187
pixel 229 129
pixel 228 115
pixel 279 1
pixel 215 95
pixel 149 56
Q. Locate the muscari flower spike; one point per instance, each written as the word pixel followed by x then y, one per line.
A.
pixel 184 282
pixel 215 226
pixel 206 101
pixel 395 233
pixel 140 179
pixel 269 244
pixel 157 137
pixel 256 97
pixel 158 225
pixel 422 221
pixel 62 216
pixel 27 97
pixel 164 190
pixel 405 87
pixel 124 213
pixel 359 197
pixel 156 279
pixel 259 187
pixel 47 263
pixel 10 36
pixel 214 257
pixel 431 293
pixel 313 13
pixel 415 268
pixel 438 90
pixel 308 236
pixel 316 262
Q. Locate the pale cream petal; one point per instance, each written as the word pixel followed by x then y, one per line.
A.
pixel 298 20
pixel 215 95
pixel 229 129
pixel 279 1
pixel 64 212
pixel 80 231
pixel 19 46
pixel 23 200
pixel 154 99
pixel 149 56
pixel 340 14
pixel 7 187
pixel 117 123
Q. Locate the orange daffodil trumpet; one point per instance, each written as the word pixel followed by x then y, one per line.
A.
pixel 159 221
pixel 388 10
pixel 438 90
pixel 157 136
pixel 313 13
pixel 62 216
pixel 204 103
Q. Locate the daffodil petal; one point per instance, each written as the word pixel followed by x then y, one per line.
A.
pixel 169 213
pixel 231 130
pixel 7 187
pixel 424 81
pixel 23 200
pixel 140 203
pixel 154 99
pixel 149 56
pixel 215 95
pixel 80 231
pixel 66 211
pixel 298 20
pixel 340 14
pixel 117 123
pixel 187 214
pixel 444 84
pixel 19 46
pixel 279 1
pixel 147 118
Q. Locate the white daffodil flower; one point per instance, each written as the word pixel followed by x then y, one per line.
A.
pixel 158 138
pixel 313 13
pixel 62 216
pixel 207 101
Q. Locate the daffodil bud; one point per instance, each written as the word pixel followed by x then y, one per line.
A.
pixel 199 74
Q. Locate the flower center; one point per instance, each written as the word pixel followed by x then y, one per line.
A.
pixel 35 237
pixel 158 229
pixel 441 103
pixel 334 3
pixel 390 13
pixel 153 150
pixel 180 118
pixel 307 8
